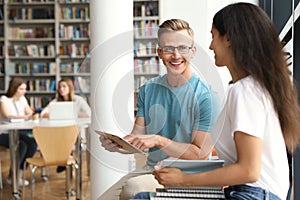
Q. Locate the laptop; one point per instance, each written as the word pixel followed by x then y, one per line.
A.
pixel 63 110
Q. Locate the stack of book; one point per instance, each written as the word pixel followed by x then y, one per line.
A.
pixel 182 193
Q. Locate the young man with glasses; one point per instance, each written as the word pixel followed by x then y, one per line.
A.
pixel 175 110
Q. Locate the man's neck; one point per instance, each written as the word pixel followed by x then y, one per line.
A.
pixel 177 80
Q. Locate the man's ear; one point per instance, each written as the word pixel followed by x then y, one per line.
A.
pixel 159 52
pixel 194 49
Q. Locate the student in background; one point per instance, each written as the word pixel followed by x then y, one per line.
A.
pixel 14 105
pixel 66 92
pixel 261 114
pixel 175 110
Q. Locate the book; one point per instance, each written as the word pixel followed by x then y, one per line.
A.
pixel 188 193
pixel 193 166
pixel 10 120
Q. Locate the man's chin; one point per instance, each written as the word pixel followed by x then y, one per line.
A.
pixel 175 70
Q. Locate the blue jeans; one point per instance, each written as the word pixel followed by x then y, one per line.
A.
pixel 237 192
pixel 245 192
pixel 141 196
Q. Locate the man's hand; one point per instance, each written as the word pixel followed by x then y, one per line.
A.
pixel 109 145
pixel 143 141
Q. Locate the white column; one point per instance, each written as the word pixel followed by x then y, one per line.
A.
pixel 111 87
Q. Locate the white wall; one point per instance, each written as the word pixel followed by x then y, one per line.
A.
pixel 199 14
pixel 111 88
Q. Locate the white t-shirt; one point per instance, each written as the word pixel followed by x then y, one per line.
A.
pixel 249 109
pixel 14 107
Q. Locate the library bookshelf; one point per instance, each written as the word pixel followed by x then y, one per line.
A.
pixel 145 22
pixel 43 41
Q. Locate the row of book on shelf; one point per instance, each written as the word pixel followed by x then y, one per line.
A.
pixel 38 103
pixel 139 81
pixel 41 85
pixel 31 13
pixel 1 13
pixel 41 1
pixel 145 9
pixel 49 85
pixel 74 49
pixel 74 12
pixel 74 31
pixel 36 32
pixel 2 70
pixel 146 65
pixel 31 50
pixel 82 85
pixel 65 31
pixel 31 68
pixel 74 67
pixel 145 28
pixel 144 48
pixel 1 50
pixel 73 1
pixel 29 1
pixel 49 68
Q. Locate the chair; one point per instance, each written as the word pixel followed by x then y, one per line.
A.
pixel 2 148
pixel 56 144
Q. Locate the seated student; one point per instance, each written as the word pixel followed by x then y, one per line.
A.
pixel 261 114
pixel 66 92
pixel 14 105
pixel 175 110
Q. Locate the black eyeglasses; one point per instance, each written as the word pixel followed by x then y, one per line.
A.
pixel 182 49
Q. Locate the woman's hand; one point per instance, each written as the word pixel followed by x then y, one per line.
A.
pixel 45 115
pixel 170 176
pixel 28 116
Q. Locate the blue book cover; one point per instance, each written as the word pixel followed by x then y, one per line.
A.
pixel 193 166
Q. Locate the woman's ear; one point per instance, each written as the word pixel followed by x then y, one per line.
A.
pixel 227 39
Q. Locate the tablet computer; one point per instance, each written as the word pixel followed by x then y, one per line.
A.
pixel 193 166
pixel 122 143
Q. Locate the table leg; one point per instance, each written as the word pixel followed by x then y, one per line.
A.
pixel 14 157
pixel 78 170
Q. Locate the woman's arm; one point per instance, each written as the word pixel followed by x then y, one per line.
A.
pixel 200 147
pixel 6 114
pixel 84 108
pixel 245 170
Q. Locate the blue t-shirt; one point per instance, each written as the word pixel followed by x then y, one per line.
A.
pixel 174 112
